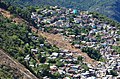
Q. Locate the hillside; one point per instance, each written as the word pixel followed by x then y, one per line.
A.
pixel 10 68
pixel 55 42
pixel 23 40
pixel 109 8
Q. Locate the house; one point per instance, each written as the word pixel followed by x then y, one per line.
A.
pixel 86 74
pixel 41 45
pixel 108 77
pixel 77 76
pixel 31 64
pixel 94 27
pixel 75 67
pixel 92 77
pixel 43 52
pixel 90 66
pixel 34 15
pixel 55 54
pixel 61 71
pixel 77 45
pixel 69 54
pixel 58 23
pixel 63 18
pixel 118 77
pixel 27 57
pixel 65 51
pixel 34 50
pixel 102 73
pixel 53 68
pixel 62 54
pixel 72 71
pixel 34 37
pixel 71 36
pixel 77 20
pixel 74 11
pixel 68 25
pixel 46 77
pixel 66 78
pixel 60 30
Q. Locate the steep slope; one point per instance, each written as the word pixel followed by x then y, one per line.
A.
pixel 58 39
pixel 109 7
pixel 19 69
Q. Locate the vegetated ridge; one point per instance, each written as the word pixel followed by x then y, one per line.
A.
pixel 109 8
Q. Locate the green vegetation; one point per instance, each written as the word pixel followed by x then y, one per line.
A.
pixel 18 40
pixel 105 19
pixel 112 72
pixel 60 64
pixel 8 73
pixel 95 54
pixel 17 10
pixel 116 48
pixel 109 8
pixel 84 66
pixel 80 58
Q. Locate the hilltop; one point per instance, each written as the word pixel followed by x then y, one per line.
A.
pixel 110 8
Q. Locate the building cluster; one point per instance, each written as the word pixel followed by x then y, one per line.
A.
pixel 83 30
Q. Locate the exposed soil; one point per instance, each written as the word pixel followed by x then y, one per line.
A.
pixel 58 40
pixel 14 64
pixel 54 39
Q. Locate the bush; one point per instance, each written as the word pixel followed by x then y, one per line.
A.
pixel 56 74
pixel 95 54
pixel 113 72
pixel 51 61
pixel 60 64
pixel 80 58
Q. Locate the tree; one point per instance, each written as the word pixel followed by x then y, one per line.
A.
pixel 95 54
pixel 76 31
pixel 45 70
pixel 60 64
pixel 113 72
pixel 57 74
pixel 80 58
pixel 31 9
pixel 51 61
pixel 85 67
pixel 43 59
pixel 18 11
pixel 11 9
